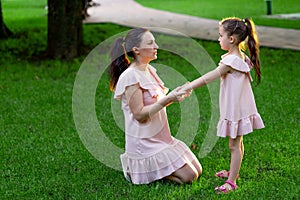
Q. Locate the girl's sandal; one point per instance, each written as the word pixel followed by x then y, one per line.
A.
pixel 226 187
pixel 224 174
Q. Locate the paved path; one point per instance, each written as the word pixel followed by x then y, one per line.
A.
pixel 130 13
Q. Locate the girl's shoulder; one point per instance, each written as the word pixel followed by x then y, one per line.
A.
pixel 236 62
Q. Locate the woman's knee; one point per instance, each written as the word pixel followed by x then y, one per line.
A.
pixel 191 176
pixel 188 174
pixel 198 167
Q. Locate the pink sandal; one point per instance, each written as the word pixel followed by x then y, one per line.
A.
pixel 226 187
pixel 222 174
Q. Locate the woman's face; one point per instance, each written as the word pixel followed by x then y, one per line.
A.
pixel 148 47
pixel 224 39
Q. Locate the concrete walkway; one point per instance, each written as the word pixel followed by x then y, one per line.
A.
pixel 130 13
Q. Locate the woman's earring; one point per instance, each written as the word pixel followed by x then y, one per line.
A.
pixel 231 39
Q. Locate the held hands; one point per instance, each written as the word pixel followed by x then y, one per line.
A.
pixel 187 89
pixel 179 93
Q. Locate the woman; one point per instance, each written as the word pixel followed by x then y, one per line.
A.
pixel 151 153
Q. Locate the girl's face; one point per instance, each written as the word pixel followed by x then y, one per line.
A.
pixel 224 39
pixel 148 47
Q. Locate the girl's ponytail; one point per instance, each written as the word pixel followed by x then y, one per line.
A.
pixel 253 47
pixel 244 29
pixel 119 62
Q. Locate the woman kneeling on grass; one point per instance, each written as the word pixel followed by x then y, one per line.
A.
pixel 238 113
pixel 151 153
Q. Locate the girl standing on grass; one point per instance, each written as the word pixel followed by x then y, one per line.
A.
pixel 238 113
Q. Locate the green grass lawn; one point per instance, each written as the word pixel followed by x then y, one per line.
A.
pixel 215 9
pixel 42 156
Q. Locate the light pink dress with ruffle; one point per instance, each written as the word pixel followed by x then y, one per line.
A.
pixel 238 112
pixel 151 153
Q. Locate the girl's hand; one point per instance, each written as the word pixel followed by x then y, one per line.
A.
pixel 177 95
pixel 187 89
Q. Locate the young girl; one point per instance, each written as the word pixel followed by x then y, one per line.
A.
pixel 238 113
pixel 151 153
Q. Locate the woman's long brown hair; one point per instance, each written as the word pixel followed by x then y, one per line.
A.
pixel 120 51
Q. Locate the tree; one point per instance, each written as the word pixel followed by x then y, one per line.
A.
pixel 4 30
pixel 65 34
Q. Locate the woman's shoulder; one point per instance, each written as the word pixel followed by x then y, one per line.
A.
pixel 152 68
pixel 127 73
pixel 132 76
pixel 127 78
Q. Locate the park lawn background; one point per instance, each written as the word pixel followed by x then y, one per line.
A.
pixel 216 9
pixel 42 156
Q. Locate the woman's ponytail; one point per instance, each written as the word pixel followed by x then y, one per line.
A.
pixel 253 47
pixel 120 52
pixel 119 62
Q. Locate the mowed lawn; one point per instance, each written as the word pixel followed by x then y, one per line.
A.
pixel 43 157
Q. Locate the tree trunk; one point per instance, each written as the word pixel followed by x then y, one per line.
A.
pixel 4 31
pixel 64 29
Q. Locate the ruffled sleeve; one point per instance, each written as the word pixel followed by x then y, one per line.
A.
pixel 236 63
pixel 133 76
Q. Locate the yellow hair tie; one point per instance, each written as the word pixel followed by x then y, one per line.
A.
pixel 124 49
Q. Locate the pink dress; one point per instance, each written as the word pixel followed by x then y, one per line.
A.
pixel 238 112
pixel 151 153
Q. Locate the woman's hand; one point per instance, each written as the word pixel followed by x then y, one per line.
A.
pixel 177 95
pixel 187 89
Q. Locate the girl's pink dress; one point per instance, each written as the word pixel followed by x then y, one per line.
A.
pixel 151 153
pixel 238 112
